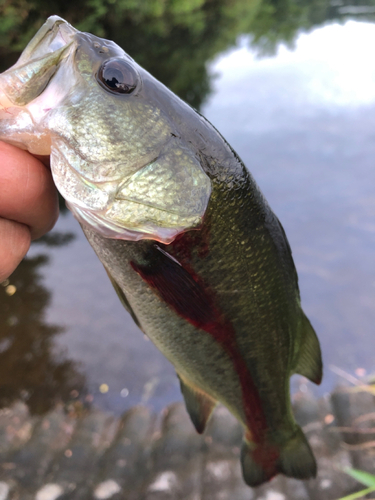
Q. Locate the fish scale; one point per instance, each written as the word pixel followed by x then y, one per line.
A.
pixel 189 243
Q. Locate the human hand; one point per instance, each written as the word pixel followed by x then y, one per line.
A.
pixel 28 205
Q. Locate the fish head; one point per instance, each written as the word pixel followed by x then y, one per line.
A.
pixel 117 154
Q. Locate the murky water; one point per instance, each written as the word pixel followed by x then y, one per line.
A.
pixel 304 124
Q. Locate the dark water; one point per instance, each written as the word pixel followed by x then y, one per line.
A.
pixel 303 121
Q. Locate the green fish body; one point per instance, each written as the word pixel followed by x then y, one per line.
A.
pixel 191 246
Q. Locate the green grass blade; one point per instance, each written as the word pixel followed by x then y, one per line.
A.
pixel 359 494
pixel 362 477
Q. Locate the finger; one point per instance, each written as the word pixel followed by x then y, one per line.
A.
pixel 27 192
pixel 14 244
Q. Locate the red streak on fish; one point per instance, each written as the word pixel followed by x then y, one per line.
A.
pixel 184 243
pixel 185 293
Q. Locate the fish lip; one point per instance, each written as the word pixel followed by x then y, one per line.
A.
pixel 51 37
pixel 39 62
pixel 27 79
pixel 55 34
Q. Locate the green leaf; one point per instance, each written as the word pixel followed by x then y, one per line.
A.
pixel 359 494
pixel 361 476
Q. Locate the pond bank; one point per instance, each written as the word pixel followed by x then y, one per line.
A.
pixel 93 455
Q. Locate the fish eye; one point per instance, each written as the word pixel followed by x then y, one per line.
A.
pixel 118 76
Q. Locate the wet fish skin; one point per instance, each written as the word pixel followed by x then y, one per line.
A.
pixel 218 293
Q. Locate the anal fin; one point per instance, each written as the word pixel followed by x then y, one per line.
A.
pixel 309 362
pixel 198 403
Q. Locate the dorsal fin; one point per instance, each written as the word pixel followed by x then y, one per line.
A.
pixel 309 362
pixel 198 403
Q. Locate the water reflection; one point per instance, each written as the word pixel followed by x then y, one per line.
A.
pixel 31 368
pixel 55 239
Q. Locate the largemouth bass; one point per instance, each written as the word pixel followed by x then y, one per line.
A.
pixel 191 246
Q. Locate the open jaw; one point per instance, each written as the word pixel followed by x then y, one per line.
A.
pixel 26 95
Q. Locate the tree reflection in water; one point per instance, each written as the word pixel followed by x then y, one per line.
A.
pixel 175 39
pixel 31 367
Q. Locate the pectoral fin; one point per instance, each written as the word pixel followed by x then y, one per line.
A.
pixel 309 362
pixel 177 288
pixel 198 403
pixel 123 299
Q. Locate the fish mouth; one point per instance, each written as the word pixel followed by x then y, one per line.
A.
pixel 40 60
pixel 55 34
